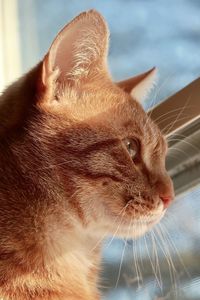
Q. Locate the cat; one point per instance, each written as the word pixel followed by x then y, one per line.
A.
pixel 78 157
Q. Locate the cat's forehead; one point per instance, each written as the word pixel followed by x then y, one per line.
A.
pixel 139 123
pixel 129 115
pixel 127 118
pixel 113 108
pixel 92 102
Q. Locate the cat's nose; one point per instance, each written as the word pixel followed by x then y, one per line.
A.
pixel 165 190
pixel 166 199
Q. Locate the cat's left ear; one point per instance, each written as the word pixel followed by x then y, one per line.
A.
pixel 78 54
pixel 139 86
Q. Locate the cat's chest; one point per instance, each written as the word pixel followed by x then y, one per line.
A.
pixel 71 252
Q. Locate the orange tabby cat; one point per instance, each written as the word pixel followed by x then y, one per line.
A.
pixel 78 155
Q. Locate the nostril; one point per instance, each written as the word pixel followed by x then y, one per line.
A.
pixel 166 200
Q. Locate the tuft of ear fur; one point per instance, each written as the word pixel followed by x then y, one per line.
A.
pixel 139 86
pixel 78 53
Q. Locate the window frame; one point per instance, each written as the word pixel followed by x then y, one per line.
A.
pixel 10 49
pixel 181 125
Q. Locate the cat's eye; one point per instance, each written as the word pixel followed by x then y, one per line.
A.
pixel 132 145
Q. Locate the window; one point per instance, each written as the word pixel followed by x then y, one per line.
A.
pixel 166 263
pixel 10 46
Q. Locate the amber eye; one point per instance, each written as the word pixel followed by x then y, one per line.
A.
pixel 132 146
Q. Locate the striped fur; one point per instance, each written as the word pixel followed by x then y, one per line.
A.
pixel 66 175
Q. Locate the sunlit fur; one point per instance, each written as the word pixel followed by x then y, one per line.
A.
pixel 68 181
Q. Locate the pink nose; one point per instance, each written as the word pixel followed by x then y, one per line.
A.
pixel 166 199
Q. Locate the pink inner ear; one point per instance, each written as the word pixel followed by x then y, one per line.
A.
pixel 79 48
pixel 62 52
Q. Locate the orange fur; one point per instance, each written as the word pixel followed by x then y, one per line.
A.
pixel 66 175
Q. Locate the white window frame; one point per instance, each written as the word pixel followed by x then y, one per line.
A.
pixel 10 58
pixel 181 124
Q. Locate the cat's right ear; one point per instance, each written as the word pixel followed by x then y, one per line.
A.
pixel 140 85
pixel 77 55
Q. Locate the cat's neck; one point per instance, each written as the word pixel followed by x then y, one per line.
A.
pixel 31 182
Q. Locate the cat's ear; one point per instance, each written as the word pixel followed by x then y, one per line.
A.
pixel 78 53
pixel 139 86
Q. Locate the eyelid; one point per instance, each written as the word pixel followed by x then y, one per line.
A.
pixel 132 138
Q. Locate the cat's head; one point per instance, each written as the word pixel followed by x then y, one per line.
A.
pixel 108 154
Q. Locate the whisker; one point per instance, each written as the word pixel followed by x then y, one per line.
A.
pixel 179 114
pixel 171 242
pixel 106 232
pixel 135 259
pixel 122 257
pixel 173 155
pixel 151 262
pixel 184 115
pixel 121 219
pixel 167 128
pixel 188 143
pixel 166 252
pixel 180 150
pixel 155 253
pixel 171 112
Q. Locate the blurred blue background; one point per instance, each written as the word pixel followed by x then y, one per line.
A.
pixel 144 33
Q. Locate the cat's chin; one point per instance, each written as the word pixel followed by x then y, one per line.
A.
pixel 135 229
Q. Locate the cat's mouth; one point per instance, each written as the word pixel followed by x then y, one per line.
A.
pixel 155 220
pixel 133 220
pixel 134 228
pixel 149 220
